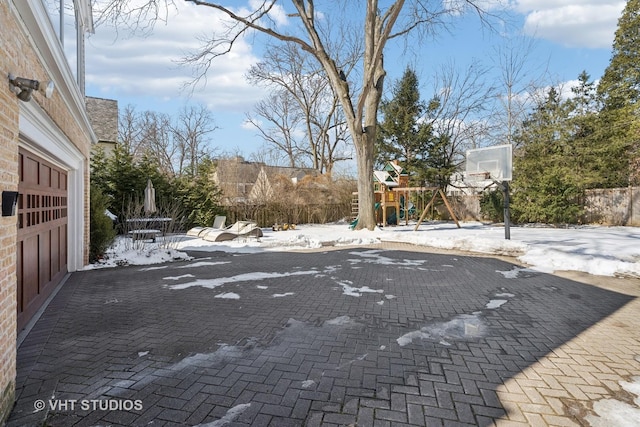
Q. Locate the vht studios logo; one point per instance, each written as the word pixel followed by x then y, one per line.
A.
pixel 88 405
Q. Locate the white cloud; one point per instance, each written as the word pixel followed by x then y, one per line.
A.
pixel 277 12
pixel 571 23
pixel 121 65
pixel 248 125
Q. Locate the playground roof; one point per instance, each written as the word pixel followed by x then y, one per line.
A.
pixel 385 178
pixel 395 167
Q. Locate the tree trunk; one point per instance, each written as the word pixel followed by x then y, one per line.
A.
pixel 363 127
pixel 366 201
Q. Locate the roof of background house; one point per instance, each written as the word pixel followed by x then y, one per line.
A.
pixel 103 115
pixel 239 170
pixel 290 172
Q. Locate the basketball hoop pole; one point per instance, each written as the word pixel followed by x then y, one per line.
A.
pixel 507 219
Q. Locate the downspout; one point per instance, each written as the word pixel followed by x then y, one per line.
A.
pixel 62 23
pixel 80 51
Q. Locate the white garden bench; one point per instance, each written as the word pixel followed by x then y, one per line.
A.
pixel 145 234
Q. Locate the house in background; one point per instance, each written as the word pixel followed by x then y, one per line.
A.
pixel 45 143
pixel 243 182
pixel 103 115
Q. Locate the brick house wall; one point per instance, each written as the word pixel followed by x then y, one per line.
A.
pixel 8 231
pixel 20 54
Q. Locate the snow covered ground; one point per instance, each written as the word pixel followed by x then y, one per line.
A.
pixel 596 250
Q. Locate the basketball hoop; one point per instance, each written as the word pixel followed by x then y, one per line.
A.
pixel 489 163
pixel 490 166
pixel 478 176
pixel 478 180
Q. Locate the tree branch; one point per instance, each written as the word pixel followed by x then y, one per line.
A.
pixel 251 21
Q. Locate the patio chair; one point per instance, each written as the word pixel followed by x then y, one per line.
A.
pixel 239 229
pixel 218 224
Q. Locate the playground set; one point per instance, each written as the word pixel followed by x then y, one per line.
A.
pixel 393 197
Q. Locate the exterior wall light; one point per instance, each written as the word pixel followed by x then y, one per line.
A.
pixel 9 202
pixel 24 87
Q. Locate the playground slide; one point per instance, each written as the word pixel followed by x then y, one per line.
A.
pixel 353 223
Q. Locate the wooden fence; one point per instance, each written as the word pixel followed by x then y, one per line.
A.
pixel 616 206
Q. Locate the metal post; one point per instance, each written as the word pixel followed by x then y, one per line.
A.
pixel 507 219
pixel 62 22
pixel 80 57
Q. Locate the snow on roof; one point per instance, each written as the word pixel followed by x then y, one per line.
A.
pixel 384 178
pixel 395 167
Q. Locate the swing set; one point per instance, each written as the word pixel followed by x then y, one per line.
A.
pixel 393 197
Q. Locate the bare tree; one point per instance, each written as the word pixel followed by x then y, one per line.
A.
pixel 333 134
pixel 156 140
pixel 378 26
pixel 129 131
pixel 191 135
pixel 315 106
pixel 146 134
pixel 519 82
pixel 458 113
pixel 176 147
pixel 267 155
pixel 282 119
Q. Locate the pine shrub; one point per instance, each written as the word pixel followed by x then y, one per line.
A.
pixel 492 205
pixel 102 232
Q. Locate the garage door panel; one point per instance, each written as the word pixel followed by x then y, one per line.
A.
pixel 42 227
pixel 19 276
pixel 55 251
pixel 44 258
pixel 31 285
pixel 62 235
pixel 45 175
pixel 30 170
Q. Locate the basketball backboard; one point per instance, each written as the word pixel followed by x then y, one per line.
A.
pixel 489 163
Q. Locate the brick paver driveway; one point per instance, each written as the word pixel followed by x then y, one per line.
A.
pixel 357 336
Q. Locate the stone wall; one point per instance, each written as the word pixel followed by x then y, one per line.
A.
pixel 611 206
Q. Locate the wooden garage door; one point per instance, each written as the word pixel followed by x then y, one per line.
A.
pixel 42 232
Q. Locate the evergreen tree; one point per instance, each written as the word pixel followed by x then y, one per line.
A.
pixel 620 84
pixel 620 89
pixel 546 188
pixel 123 180
pixel 402 135
pixel 100 170
pixel 199 195
pixel 126 184
pixel 439 163
pixel 101 231
pixel 588 155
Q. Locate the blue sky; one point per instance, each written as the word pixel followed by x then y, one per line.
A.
pixel 143 71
